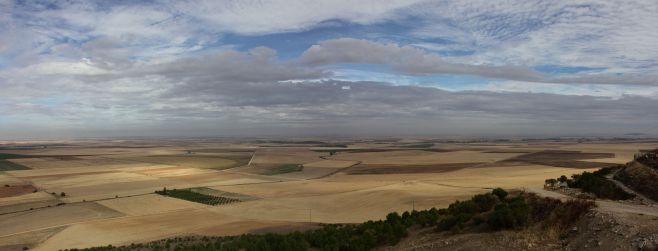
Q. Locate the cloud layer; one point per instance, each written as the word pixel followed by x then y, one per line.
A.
pixel 474 68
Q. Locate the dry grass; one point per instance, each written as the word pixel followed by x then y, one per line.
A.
pixel 195 161
pixel 149 204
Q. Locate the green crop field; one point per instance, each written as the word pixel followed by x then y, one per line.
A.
pixel 428 145
pixel 188 194
pixel 220 193
pixel 6 165
pixel 286 168
pixel 11 156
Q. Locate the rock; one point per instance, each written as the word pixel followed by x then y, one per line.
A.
pixel 574 229
pixel 641 244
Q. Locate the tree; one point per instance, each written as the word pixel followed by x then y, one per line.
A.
pixel 63 194
pixel 551 182
pixel 485 201
pixel 501 218
pixel 501 193
pixel 562 178
pixel 466 207
pixel 520 211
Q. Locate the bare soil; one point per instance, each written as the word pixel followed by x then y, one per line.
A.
pixel 15 190
pixel 558 158
pixel 393 169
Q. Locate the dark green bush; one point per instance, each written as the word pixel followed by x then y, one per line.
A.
pixel 599 186
pixel 501 218
pixel 447 222
pixel 484 201
pixel 467 207
pixel 500 193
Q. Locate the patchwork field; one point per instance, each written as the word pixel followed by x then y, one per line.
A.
pixel 89 193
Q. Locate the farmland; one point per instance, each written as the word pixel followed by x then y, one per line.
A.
pixel 285 168
pixel 189 195
pixel 77 194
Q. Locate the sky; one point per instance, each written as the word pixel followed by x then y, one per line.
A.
pixel 304 68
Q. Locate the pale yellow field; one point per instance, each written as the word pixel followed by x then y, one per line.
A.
pixel 194 161
pixel 9 180
pixel 285 156
pixel 82 161
pixel 53 217
pixel 117 185
pixel 51 183
pixel 149 204
pixel 25 198
pixel 423 157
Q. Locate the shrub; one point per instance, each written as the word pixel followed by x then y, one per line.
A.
pixel 600 186
pixel 501 218
pixel 520 211
pixel 596 183
pixel 555 213
pixel 608 170
pixel 551 182
pixel 485 202
pixel 467 207
pixel 562 178
pixel 447 223
pixel 500 193
pixel 567 213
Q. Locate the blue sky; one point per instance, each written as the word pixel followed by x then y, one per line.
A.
pixel 68 67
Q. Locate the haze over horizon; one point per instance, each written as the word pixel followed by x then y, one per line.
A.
pixel 304 68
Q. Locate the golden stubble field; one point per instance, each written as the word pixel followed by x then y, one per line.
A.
pixel 82 194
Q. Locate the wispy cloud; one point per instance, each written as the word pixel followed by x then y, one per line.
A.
pixel 541 66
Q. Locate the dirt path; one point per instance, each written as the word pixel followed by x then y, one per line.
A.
pixel 252 158
pixel 335 172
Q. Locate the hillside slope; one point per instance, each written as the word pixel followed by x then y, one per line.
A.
pixel 641 178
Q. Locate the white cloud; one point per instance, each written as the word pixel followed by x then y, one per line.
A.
pixel 618 35
pixel 264 17
pixel 133 66
pixel 414 61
